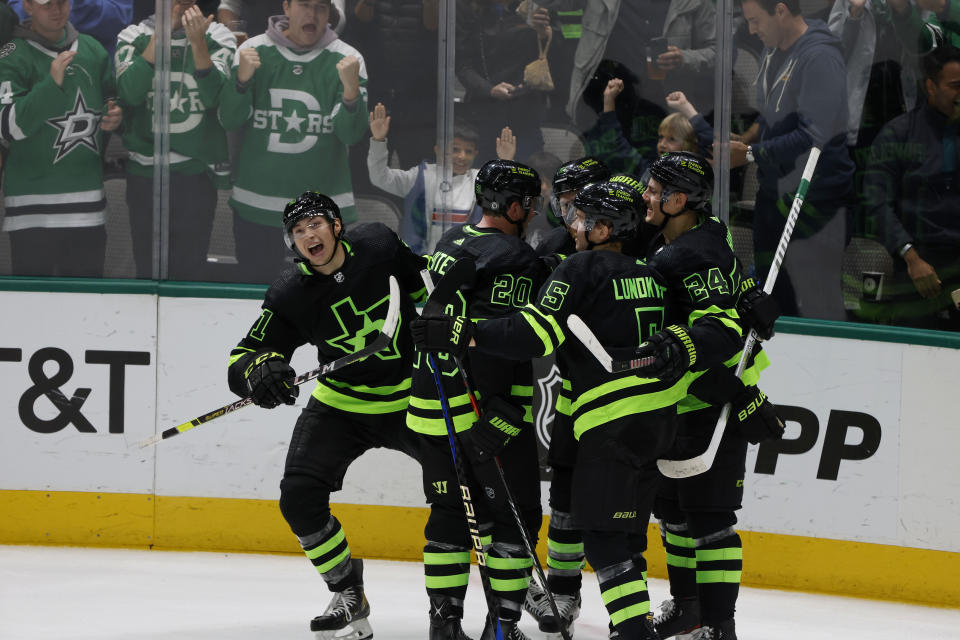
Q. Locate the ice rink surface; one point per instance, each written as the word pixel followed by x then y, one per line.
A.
pixel 107 594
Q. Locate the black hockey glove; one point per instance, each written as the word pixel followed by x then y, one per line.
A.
pixel 499 421
pixel 443 334
pixel 756 416
pixel 270 380
pixel 672 353
pixel 758 311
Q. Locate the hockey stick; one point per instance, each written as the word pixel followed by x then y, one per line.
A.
pixel 381 342
pixel 461 272
pixel 580 329
pixel 503 479
pixel 701 463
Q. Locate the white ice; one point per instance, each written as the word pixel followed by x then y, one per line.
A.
pixel 107 594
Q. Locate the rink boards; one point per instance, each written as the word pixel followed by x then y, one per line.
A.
pixel 861 496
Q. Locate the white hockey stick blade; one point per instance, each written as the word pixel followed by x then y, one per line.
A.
pixel 585 335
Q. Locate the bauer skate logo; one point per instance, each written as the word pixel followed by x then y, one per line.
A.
pixel 624 515
pixel 76 128
pixel 49 387
pixel 440 486
pixel 356 325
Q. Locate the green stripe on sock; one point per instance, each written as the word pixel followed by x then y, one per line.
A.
pixel 327 546
pixel 632 611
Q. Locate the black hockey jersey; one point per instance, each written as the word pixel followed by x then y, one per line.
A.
pixel 340 314
pixel 508 274
pixel 623 301
pixel 703 280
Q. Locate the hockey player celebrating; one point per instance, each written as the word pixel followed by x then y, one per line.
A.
pixel 334 298
pixel 507 271
pixel 694 255
pixel 567 181
pixel 622 422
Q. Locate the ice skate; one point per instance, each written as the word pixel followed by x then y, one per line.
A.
pixel 509 628
pixel 679 618
pixel 445 620
pixel 569 608
pixel 346 615
pixel 535 602
pixel 726 630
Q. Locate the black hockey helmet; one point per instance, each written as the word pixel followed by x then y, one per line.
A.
pixel 616 203
pixel 577 174
pixel 501 182
pixel 310 204
pixel 685 172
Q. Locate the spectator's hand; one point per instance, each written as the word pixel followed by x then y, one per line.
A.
pixel 195 25
pixel 349 71
pixel 506 144
pixel 540 21
pixel 59 66
pixel 924 276
pixel 677 100
pixel 379 122
pixel 738 153
pixel 899 6
pixel 502 91
pixel 610 92
pixel 856 8
pixel 248 63
pixel 671 59
pixel 112 118
pixel 364 10
pixel 937 6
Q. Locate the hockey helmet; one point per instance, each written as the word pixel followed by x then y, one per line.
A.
pixel 501 182
pixel 309 205
pixel 685 172
pixel 577 174
pixel 615 203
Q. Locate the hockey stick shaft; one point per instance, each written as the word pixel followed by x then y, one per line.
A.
pixel 467 498
pixel 381 342
pixel 580 329
pixel 428 282
pixel 512 503
pixel 703 462
pixel 450 282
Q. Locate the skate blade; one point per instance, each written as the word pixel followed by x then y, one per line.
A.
pixel 356 630
pixel 556 635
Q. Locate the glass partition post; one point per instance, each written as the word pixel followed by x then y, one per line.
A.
pixel 723 86
pixel 161 141
pixel 446 58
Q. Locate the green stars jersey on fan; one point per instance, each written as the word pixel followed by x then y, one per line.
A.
pixel 197 141
pixel 296 129
pixel 53 174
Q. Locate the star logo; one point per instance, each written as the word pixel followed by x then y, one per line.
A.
pixel 294 121
pixel 76 128
pixel 177 101
pixel 356 325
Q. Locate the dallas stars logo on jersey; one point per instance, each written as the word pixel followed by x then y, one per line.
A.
pixel 294 121
pixel 78 127
pixel 358 324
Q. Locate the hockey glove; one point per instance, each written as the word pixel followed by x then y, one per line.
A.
pixel 758 311
pixel 499 421
pixel 672 352
pixel 756 416
pixel 270 380
pixel 443 334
